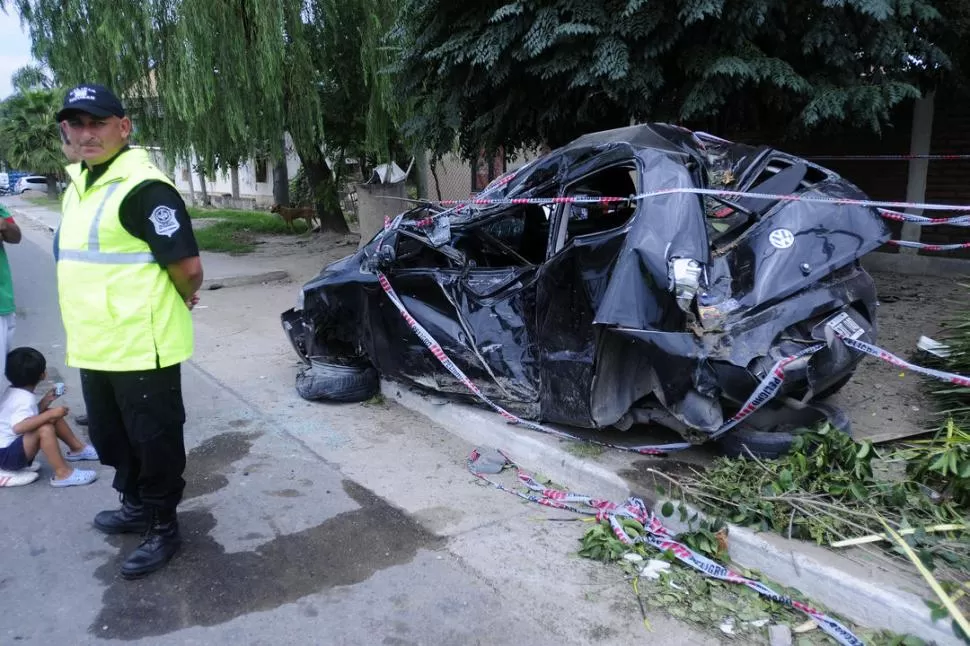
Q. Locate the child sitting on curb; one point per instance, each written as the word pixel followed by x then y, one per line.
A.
pixel 27 428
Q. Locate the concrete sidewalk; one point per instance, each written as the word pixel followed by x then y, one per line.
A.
pixel 855 586
pixel 221 270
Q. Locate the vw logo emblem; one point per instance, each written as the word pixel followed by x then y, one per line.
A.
pixel 781 238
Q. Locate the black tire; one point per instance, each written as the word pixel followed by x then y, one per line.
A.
pixel 774 443
pixel 332 383
pixel 836 387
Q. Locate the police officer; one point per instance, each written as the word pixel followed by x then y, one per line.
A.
pixel 128 272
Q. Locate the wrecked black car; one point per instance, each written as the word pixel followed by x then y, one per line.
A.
pixel 666 309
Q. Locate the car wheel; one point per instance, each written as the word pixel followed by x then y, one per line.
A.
pixel 836 387
pixel 329 382
pixel 774 443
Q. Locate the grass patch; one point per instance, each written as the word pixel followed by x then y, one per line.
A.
pixel 201 213
pixel 584 450
pixel 237 231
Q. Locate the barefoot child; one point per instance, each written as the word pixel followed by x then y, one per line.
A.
pixel 27 428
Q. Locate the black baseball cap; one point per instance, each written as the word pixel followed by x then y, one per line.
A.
pixel 96 100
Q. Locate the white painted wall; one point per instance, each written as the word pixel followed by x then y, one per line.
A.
pixel 454 175
pixel 221 184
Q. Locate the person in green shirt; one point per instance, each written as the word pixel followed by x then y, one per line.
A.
pixel 9 232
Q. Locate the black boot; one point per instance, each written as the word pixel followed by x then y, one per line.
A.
pixel 161 542
pixel 132 518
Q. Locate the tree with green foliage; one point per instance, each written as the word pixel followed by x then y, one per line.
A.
pixel 30 77
pixel 513 74
pixel 952 34
pixel 229 78
pixel 28 133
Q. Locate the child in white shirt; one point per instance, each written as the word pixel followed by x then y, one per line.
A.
pixel 27 428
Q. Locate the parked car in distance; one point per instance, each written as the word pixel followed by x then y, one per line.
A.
pixel 31 183
pixel 34 183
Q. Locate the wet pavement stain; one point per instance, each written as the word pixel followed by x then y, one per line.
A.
pixel 204 462
pixel 205 586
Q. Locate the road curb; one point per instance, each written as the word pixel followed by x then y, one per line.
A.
pixel 21 213
pixel 242 280
pixel 208 283
pixel 857 592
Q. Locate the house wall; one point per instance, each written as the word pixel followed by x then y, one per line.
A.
pixel 455 175
pixel 260 193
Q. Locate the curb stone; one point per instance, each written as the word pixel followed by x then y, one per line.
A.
pixel 21 213
pixel 208 284
pixel 240 281
pixel 857 592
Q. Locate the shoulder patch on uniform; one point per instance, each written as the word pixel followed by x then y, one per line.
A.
pixel 164 220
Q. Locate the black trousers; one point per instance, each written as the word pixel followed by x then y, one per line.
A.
pixel 136 420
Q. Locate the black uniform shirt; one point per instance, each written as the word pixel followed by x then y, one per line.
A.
pixel 154 212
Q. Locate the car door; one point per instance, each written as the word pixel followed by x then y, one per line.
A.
pixel 584 244
pixel 479 307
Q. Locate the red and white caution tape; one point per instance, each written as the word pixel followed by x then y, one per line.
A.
pixel 481 200
pixel 929 247
pixel 959 221
pixel 658 536
pixel 457 372
pixel 886 209
pixel 765 391
pixel 943 157
pixel 888 357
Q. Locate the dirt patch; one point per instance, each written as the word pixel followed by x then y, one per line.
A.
pixel 884 401
pixel 325 247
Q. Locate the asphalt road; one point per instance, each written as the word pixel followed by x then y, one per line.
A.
pixel 355 570
pixel 281 545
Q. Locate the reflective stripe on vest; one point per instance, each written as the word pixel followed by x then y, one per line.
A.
pixel 120 308
pixel 93 253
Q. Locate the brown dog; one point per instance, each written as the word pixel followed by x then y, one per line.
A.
pixel 289 214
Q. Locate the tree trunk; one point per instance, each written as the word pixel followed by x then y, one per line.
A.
pixel 437 184
pixel 324 191
pixel 420 172
pixel 188 162
pixel 52 186
pixel 234 178
pixel 202 187
pixel 281 181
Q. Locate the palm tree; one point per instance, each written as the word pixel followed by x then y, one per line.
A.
pixel 28 134
pixel 30 77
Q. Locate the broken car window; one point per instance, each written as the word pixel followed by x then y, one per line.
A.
pixel 587 218
pixel 515 238
pixel 413 252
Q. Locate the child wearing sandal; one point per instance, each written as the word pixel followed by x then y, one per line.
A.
pixel 27 428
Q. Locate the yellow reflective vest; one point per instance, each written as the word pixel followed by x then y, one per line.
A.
pixel 120 309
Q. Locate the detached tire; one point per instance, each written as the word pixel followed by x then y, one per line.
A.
pixel 836 387
pixel 772 444
pixel 332 383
